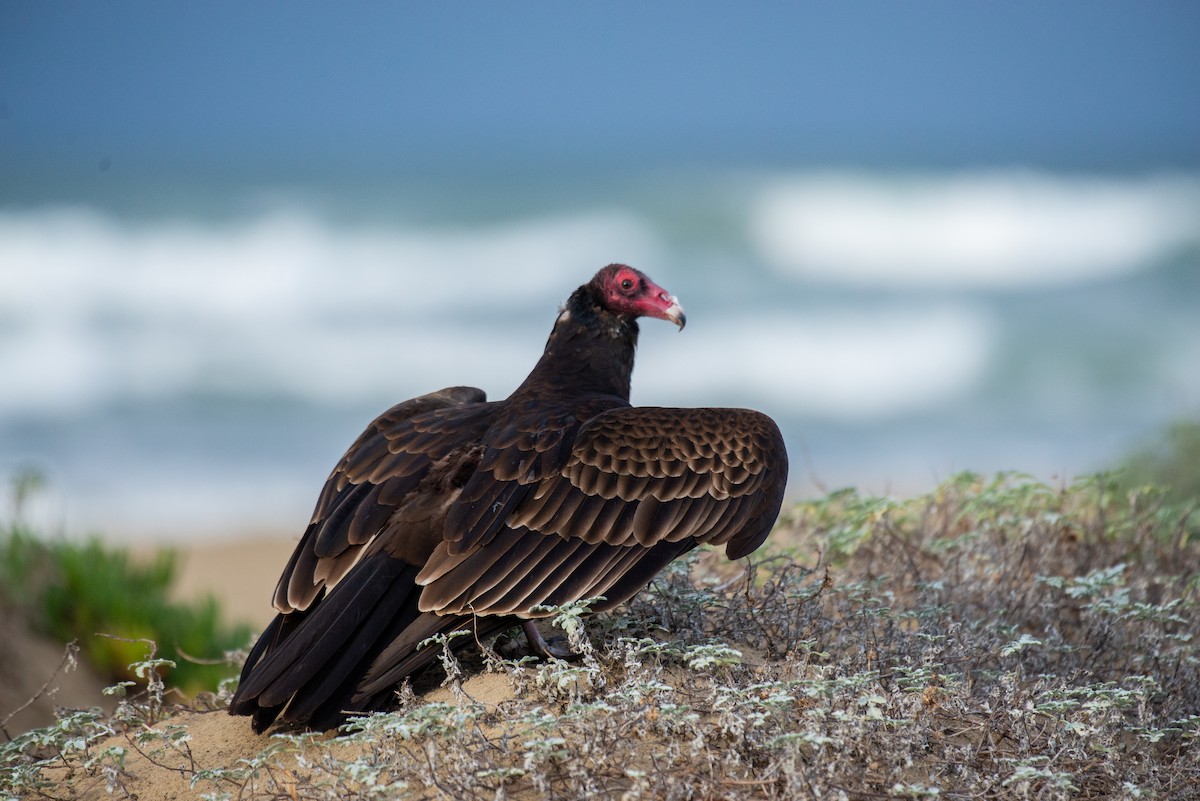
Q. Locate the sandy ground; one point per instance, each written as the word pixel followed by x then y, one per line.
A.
pixel 218 740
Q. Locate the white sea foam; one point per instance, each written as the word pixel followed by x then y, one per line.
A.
pixel 849 365
pixel 95 310
pixel 974 230
pixel 99 315
pixel 92 309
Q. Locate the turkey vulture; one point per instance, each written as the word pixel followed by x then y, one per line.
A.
pixel 451 511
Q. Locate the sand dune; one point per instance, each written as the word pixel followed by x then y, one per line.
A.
pixel 240 574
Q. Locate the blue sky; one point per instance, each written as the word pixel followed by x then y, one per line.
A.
pixel 300 86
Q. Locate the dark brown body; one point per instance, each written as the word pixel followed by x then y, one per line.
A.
pixel 450 511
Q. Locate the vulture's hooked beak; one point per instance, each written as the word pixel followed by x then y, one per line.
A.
pixel 674 312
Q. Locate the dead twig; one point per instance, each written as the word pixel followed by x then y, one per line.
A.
pixel 69 661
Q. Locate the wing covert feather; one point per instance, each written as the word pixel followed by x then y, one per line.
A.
pixel 633 481
pixel 700 473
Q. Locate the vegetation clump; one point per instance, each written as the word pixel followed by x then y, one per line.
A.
pixel 1172 462
pixel 110 602
pixel 996 638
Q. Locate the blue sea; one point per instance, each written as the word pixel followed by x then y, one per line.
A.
pixel 181 364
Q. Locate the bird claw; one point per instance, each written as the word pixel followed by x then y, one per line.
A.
pixel 556 648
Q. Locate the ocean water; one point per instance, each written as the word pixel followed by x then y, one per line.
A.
pixel 197 365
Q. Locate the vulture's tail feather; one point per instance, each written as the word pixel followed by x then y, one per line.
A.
pixel 303 659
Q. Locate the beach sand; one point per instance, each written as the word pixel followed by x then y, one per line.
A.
pixel 240 573
pixel 218 740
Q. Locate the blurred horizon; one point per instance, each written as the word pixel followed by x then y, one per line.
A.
pixel 925 237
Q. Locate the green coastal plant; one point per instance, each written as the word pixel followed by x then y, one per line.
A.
pixel 110 602
pixel 1171 463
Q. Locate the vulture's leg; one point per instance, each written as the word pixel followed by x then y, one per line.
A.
pixel 539 646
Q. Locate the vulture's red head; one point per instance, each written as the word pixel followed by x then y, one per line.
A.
pixel 624 290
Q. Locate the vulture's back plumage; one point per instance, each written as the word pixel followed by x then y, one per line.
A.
pixel 450 512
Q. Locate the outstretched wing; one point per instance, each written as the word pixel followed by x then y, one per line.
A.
pixel 397 452
pixel 576 511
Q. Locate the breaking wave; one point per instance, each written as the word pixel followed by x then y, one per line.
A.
pixel 177 369
pixel 94 310
pixel 986 230
pixel 846 364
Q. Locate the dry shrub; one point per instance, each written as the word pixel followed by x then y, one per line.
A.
pixel 993 639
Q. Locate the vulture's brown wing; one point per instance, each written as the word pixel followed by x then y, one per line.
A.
pixel 398 451
pixel 598 508
pixel 377 520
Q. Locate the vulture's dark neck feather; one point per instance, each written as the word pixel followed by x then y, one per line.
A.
pixel 590 351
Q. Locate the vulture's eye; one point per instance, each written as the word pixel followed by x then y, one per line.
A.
pixel 627 283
